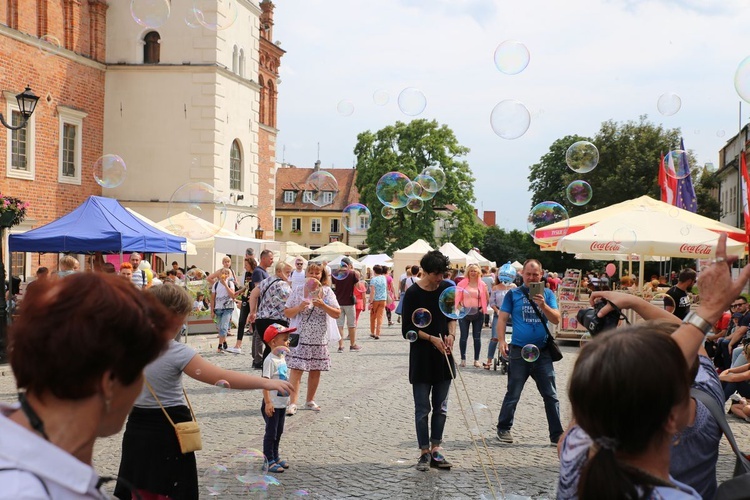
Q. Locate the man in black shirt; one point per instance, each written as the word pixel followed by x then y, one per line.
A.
pixel 679 294
pixel 431 365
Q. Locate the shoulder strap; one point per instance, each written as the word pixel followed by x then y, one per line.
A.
pixel 264 291
pixel 151 390
pixel 721 419
pixel 536 310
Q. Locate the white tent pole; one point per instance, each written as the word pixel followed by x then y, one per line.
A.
pixel 641 269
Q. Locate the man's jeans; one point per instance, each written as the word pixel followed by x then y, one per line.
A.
pixel 543 374
pixel 430 435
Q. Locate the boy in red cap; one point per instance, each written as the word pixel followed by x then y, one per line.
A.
pixel 273 407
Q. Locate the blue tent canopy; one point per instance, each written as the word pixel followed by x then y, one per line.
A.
pixel 97 225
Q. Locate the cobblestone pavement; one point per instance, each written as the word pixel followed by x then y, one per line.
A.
pixel 363 443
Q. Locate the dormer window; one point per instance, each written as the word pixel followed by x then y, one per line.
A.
pixel 327 197
pixel 307 197
pixel 289 196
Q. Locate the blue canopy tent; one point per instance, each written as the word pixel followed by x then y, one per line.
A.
pixel 97 225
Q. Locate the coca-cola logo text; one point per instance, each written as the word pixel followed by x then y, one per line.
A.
pixel 606 246
pixel 696 249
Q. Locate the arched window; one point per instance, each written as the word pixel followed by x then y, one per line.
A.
pixel 242 63
pixel 235 57
pixel 235 167
pixel 263 100
pixel 151 48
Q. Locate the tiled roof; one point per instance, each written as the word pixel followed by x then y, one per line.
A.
pixel 295 179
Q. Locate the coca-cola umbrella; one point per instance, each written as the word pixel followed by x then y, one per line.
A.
pixel 547 237
pixel 648 234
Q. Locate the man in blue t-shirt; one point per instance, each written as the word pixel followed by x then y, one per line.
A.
pixel 528 330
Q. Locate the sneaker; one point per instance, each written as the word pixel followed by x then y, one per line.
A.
pixel 355 347
pixel 225 346
pixel 234 350
pixel 505 437
pixel 257 366
pixel 424 462
pixel 736 398
pixel 438 461
pixel 220 349
pixel 341 349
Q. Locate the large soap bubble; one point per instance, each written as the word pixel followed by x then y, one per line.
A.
pixel 511 57
pixel 356 218
pixel 388 213
pixel 436 173
pixel 450 303
pixel 582 157
pixel 510 119
pixel 676 164
pixel 391 189
pixel 415 205
pixel 216 15
pixel 742 79
pixel 110 171
pixel 412 101
pixel 547 213
pixel 150 13
pixel 321 187
pixel 579 192
pixel 428 183
pixel 196 211
pixel 668 103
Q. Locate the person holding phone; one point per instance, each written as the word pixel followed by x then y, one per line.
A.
pixel 530 306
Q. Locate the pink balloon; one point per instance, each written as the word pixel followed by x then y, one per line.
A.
pixel 610 269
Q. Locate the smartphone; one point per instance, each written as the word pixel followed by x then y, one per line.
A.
pixel 293 339
pixel 536 288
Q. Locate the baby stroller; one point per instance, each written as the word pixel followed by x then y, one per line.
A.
pixel 500 360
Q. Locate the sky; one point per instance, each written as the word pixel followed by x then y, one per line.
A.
pixel 590 61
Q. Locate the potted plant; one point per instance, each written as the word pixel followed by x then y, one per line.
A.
pixel 12 210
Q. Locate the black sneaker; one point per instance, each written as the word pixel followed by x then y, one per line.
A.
pixel 438 461
pixel 424 462
pixel 225 346
pixel 505 437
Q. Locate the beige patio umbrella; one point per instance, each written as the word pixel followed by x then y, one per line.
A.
pixel 336 248
pixel 199 231
pixel 294 248
pixel 546 237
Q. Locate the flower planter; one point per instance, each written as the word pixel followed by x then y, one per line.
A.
pixel 201 324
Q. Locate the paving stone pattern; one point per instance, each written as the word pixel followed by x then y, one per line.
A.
pixel 363 442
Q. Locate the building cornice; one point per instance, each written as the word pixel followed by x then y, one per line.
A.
pixel 46 47
pixel 185 68
pixel 269 129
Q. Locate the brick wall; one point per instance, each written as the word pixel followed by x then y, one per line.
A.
pixel 58 81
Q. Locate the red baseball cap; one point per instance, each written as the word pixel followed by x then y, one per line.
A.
pixel 274 330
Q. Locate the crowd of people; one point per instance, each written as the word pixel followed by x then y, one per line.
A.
pixel 116 354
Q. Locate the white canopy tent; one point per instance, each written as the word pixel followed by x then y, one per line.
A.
pixel 479 259
pixel 335 263
pixel 455 254
pixel 409 256
pixel 517 265
pixel 378 259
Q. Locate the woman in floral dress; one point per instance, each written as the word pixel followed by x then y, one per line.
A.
pixel 311 355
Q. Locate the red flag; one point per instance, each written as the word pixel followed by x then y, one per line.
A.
pixel 667 184
pixel 744 183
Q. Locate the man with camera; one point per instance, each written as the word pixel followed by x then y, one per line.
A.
pixel 530 306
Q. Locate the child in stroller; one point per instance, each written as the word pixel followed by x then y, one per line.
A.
pixel 495 356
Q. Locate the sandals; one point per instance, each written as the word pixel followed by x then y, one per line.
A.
pixel 311 405
pixel 275 467
pixel 282 463
pixel 291 409
pixel 486 366
pixel 477 365
pixel 463 363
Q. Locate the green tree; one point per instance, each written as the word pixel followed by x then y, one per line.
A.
pixel 409 148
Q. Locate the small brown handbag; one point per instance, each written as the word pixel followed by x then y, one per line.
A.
pixel 188 433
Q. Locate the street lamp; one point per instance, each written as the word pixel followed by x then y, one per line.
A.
pixel 259 233
pixel 26 104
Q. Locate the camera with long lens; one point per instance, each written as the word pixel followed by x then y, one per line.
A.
pixel 594 324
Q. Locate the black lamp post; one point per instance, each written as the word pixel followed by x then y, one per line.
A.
pixel 26 104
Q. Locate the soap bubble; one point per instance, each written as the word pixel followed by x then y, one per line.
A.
pixel 321 187
pixel 450 303
pixel 196 211
pixel 579 193
pixel 530 353
pixel 506 274
pixel 510 119
pixel 191 18
pixel 720 133
pixel 50 45
pixel 223 386
pixel 742 79
pixel 511 57
pixel 150 13
pixel 388 213
pixel 216 15
pixel 584 338
pixel 685 230
pixel 340 274
pixel 110 171
pixel 676 164
pixel 625 239
pixel 412 101
pixel 428 183
pixel 421 317
pixel 345 107
pixel 545 214
pixel 412 336
pixel 380 97
pixel 312 289
pixel 356 218
pixel 415 205
pixel 413 189
pixel 300 493
pixel 216 479
pixel 668 104
pixel 250 465
pixel 582 157
pixel 425 195
pixel 391 189
pixel 436 173
pixel 463 186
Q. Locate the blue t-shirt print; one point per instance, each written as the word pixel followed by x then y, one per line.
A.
pixel 527 327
